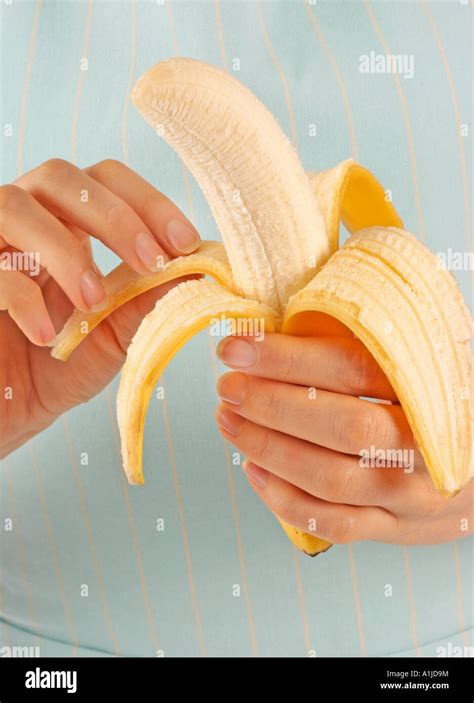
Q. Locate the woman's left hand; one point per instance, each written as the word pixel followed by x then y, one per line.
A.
pixel 317 453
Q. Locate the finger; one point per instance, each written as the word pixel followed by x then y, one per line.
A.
pixel 330 475
pixel 164 219
pixel 24 301
pixel 26 262
pixel 338 524
pixel 332 420
pixel 85 240
pixel 76 197
pixel 103 351
pixel 340 364
pixel 43 276
pixel 28 226
pixel 82 236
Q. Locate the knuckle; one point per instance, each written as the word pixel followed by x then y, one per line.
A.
pixel 75 258
pixel 346 430
pixel 344 486
pixel 360 372
pixel 115 214
pixel 342 531
pixel 359 430
pixel 281 359
pixel 152 202
pixel 274 408
pixel 107 167
pixel 286 507
pixel 263 451
pixel 11 196
pixel 379 426
pixel 332 488
pixel 287 452
pixel 318 482
pixel 53 169
pixel 290 362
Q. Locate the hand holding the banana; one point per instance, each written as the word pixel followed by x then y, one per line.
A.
pixel 46 268
pixel 320 457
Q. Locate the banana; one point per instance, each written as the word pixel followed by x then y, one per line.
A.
pixel 281 263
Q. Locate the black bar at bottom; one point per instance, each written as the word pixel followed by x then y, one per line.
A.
pixel 147 679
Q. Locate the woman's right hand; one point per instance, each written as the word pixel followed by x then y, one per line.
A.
pixel 49 215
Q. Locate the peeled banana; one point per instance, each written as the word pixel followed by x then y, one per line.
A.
pixel 280 261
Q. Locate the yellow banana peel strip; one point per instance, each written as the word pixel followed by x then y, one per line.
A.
pixel 123 284
pixel 351 193
pixel 186 310
pixel 281 234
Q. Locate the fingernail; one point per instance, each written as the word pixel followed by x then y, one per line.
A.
pixel 237 352
pixel 92 289
pixel 233 387
pixel 256 474
pixel 47 332
pixel 149 252
pixel 182 237
pixel 229 421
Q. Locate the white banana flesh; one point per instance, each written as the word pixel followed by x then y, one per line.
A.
pixel 282 263
pixel 257 190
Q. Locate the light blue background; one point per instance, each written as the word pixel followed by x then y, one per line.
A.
pixel 73 524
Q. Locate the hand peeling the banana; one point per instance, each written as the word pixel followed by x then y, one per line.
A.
pixel 376 318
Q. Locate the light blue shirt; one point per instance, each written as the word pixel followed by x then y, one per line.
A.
pixel 193 563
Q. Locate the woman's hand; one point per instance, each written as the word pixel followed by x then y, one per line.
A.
pixel 317 453
pixel 50 214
